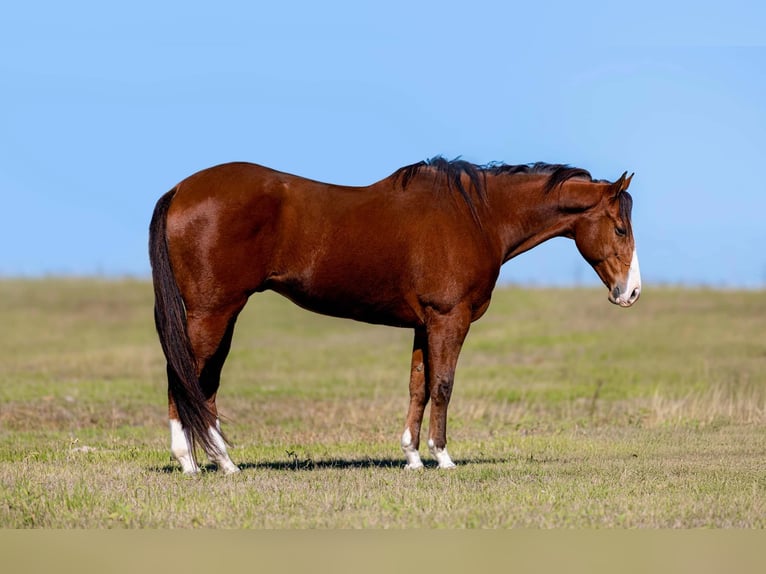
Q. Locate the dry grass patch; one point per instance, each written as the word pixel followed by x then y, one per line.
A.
pixel 558 418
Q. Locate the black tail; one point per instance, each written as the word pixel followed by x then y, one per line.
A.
pixel 170 320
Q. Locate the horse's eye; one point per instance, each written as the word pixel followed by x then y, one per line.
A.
pixel 620 231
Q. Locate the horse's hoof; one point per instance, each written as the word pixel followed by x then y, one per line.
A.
pixel 230 470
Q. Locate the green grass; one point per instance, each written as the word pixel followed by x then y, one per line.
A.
pixel 567 412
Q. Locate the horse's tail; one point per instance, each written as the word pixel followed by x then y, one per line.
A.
pixel 170 320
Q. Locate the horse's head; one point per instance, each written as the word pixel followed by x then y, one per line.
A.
pixel 604 237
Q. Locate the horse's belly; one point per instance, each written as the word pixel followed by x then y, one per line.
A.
pixel 369 304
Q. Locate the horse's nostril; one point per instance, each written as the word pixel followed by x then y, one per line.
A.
pixel 635 294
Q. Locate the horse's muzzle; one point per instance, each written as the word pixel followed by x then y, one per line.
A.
pixel 628 293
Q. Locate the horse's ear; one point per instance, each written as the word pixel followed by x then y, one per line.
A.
pixel 622 184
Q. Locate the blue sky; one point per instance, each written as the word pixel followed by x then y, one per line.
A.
pixel 103 108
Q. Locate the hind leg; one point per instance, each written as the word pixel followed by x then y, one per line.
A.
pixel 219 455
pixel 183 451
pixel 181 446
pixel 210 335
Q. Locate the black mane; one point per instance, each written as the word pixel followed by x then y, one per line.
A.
pixel 557 173
pixel 454 170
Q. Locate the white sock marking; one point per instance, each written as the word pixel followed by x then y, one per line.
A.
pixel 219 455
pixel 180 448
pixel 410 452
pixel 441 455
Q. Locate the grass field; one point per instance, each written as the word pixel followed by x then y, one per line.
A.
pixel 567 412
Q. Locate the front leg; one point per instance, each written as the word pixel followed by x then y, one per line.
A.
pixel 418 400
pixel 446 333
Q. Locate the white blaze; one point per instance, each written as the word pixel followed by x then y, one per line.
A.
pixel 634 277
pixel 628 292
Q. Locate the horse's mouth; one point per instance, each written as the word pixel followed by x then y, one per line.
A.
pixel 623 299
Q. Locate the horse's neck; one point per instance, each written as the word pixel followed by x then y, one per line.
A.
pixel 524 215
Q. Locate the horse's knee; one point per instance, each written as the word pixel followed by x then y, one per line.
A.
pixel 442 391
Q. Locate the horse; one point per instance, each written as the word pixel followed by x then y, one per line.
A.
pixel 420 249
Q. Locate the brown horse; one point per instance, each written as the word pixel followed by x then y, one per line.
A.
pixel 421 249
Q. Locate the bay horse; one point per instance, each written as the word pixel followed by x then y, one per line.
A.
pixel 420 249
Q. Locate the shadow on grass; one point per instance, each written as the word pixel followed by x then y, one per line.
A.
pixel 303 464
